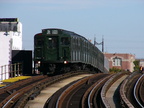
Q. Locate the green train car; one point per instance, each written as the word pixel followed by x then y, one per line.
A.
pixel 58 50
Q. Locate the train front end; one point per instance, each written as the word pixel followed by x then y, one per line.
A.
pixel 51 51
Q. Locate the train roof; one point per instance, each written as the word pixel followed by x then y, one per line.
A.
pixel 66 31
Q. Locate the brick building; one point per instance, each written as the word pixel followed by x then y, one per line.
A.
pixel 121 61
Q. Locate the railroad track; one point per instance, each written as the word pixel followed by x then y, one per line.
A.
pixel 91 98
pixel 141 93
pixel 88 92
pixel 127 93
pixel 84 93
pixel 138 92
pixel 18 93
pixel 71 98
pixel 10 94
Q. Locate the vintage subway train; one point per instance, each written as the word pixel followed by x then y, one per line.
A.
pixel 58 50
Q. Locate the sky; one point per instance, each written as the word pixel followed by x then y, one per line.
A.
pixel 119 22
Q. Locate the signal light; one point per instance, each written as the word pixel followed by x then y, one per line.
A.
pixel 65 62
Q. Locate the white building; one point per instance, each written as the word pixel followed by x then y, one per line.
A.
pixel 10 39
pixel 141 62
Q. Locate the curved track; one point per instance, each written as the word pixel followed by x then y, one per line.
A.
pixel 11 93
pixel 94 91
pixel 74 94
pixel 138 91
pixel 47 92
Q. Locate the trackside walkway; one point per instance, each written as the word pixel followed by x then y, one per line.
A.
pixel 113 93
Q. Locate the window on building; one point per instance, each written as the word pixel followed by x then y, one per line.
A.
pixel 117 61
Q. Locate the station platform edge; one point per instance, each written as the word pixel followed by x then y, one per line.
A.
pixel 12 80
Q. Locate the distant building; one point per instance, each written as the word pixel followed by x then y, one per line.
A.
pixel 10 39
pixel 121 61
pixel 141 62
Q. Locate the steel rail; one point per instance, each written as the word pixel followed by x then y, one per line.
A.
pixel 124 99
pixel 9 101
pixel 20 91
pixel 70 88
pixel 106 87
pixel 96 85
pixel 134 92
pixel 84 102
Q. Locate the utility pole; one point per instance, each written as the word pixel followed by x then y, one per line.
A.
pixel 101 43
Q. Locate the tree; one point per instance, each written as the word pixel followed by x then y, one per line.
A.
pixel 136 67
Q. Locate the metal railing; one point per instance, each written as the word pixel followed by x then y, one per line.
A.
pixel 9 71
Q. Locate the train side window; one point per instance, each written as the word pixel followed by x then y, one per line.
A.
pixel 72 41
pixel 65 41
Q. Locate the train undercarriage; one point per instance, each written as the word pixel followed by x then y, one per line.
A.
pixel 59 68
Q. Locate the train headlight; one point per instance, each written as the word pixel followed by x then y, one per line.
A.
pixel 39 62
pixel 65 62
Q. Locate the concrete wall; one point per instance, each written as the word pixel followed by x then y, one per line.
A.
pixel 17 38
pixel 5 54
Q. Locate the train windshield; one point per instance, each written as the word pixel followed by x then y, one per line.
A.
pixel 52 42
pixel 39 42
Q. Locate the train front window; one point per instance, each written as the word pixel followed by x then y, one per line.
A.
pixel 52 42
pixel 48 32
pixel 39 42
pixel 65 41
pixel 54 31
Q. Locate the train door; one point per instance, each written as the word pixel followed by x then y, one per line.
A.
pixel 52 48
pixel 65 44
